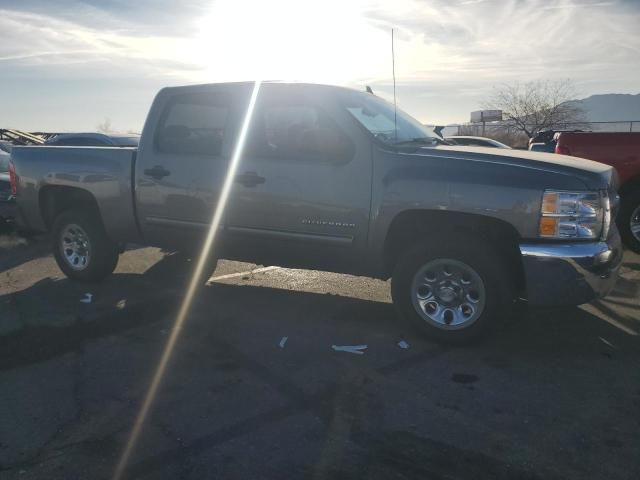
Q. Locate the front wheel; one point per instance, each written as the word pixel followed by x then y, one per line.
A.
pixel 81 247
pixel 452 293
pixel 629 220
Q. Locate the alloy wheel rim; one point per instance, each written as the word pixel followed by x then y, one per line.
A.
pixel 75 247
pixel 448 294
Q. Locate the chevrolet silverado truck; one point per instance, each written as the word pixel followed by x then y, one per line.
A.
pixel 334 179
pixel 621 151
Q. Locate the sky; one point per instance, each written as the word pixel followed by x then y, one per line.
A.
pixel 70 65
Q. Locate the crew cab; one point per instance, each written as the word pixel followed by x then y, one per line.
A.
pixel 622 151
pixel 333 179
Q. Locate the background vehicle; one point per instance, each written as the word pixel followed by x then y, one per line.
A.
pixel 328 180
pixel 4 161
pixel 476 141
pixel 622 151
pixel 5 147
pixel 545 141
pixel 95 140
pixel 7 202
pixel 548 147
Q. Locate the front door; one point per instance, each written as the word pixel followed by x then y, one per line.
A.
pixel 303 186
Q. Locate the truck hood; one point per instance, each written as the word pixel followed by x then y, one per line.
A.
pixel 594 175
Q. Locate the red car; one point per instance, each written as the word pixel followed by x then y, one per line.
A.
pixel 622 151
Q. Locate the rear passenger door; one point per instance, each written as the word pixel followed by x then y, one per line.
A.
pixel 182 164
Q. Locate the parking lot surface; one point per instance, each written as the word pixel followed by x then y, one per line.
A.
pixel 555 395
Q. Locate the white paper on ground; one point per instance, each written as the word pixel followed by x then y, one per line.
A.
pixel 87 298
pixel 357 349
pixel 402 344
pixel 283 341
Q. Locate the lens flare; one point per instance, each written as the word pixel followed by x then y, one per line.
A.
pixel 191 290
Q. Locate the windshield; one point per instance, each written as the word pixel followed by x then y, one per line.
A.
pixel 377 116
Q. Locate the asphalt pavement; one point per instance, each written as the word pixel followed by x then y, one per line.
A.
pixel 554 395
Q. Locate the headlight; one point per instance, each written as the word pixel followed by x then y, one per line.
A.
pixel 573 215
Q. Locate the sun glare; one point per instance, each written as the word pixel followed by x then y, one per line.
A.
pixel 194 283
pixel 328 41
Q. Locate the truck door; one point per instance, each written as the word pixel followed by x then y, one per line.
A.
pixel 303 185
pixel 182 163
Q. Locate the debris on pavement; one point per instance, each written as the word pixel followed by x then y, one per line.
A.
pixel 403 345
pixel 357 349
pixel 87 298
pixel 121 304
pixel 283 341
pixel 607 343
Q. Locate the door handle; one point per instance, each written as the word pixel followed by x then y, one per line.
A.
pixel 250 179
pixel 157 172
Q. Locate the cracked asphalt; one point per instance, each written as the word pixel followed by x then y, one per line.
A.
pixel 555 395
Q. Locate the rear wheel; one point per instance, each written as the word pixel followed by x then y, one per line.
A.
pixel 452 292
pixel 81 247
pixel 629 220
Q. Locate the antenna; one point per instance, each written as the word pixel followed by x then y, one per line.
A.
pixel 395 108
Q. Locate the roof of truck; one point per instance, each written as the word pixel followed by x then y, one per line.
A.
pixel 251 82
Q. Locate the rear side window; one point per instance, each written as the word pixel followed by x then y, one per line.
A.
pixel 193 124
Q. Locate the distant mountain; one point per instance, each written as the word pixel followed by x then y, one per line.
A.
pixel 611 107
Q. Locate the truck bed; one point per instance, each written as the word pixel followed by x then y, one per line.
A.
pixel 103 172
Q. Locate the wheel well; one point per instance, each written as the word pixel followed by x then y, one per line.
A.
pixel 410 226
pixel 56 199
pixel 630 185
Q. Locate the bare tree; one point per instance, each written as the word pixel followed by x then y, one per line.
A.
pixel 535 106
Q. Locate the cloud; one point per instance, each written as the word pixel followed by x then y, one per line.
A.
pixel 139 18
pixel 36 41
pixel 448 53
pixel 512 39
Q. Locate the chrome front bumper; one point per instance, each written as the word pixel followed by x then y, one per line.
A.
pixel 570 273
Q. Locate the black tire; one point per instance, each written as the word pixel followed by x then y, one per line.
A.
pixel 102 255
pixel 496 277
pixel 629 208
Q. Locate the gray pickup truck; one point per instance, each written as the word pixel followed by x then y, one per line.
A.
pixel 334 179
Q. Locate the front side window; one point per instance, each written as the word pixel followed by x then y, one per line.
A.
pixel 293 128
pixel 382 121
pixel 193 124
